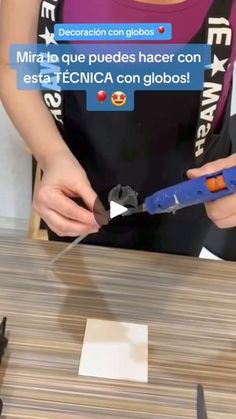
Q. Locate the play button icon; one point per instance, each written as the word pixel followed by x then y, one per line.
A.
pixel 118 201
pixel 116 209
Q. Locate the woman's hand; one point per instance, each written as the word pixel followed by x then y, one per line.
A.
pixel 62 180
pixel 223 211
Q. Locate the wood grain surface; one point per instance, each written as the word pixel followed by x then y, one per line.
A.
pixel 188 304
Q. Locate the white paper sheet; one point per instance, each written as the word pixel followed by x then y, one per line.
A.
pixel 115 350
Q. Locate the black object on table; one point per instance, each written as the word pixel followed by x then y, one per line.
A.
pixel 3 344
pixel 201 403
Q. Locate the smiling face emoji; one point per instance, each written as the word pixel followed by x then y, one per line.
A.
pixel 119 98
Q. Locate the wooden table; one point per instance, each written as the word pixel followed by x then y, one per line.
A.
pixel 189 305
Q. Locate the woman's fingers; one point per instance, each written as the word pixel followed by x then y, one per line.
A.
pixel 228 222
pixel 222 208
pixel 212 167
pixel 69 209
pixel 63 215
pixel 94 204
pixel 221 211
pixel 64 227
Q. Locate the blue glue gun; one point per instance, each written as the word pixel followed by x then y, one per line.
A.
pixel 191 192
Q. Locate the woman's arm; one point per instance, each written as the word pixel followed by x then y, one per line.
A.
pixel 18 25
pixel 63 177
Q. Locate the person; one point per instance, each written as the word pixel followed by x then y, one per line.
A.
pixel 147 149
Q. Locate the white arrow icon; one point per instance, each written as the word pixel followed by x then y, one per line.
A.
pixel 116 209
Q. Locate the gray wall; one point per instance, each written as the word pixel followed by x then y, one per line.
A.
pixel 15 172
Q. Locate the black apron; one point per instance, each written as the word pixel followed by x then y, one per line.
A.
pixel 147 149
